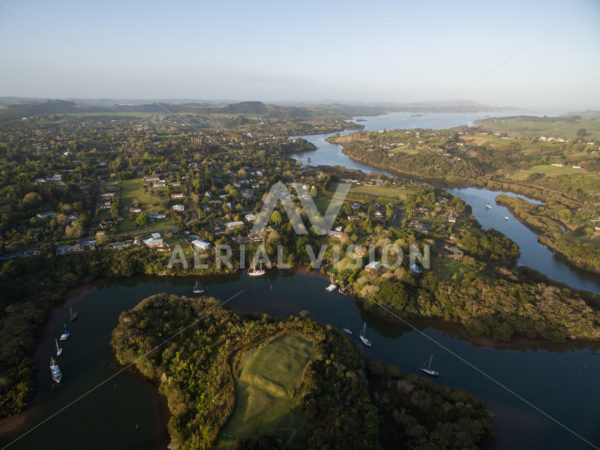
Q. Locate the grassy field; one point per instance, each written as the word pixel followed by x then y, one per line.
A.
pixel 390 192
pixel 555 126
pixel 548 170
pixel 134 190
pixel 268 388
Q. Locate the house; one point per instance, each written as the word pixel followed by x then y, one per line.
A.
pixel 134 210
pixel 452 217
pixel 155 241
pixel 45 215
pixel 232 225
pixel 65 249
pixel 361 250
pixel 200 244
pixel 373 266
pixel 178 195
pixel 154 215
pixel 250 218
pixel 335 234
pixel 179 208
pixel 415 269
pixel 119 245
pixel 418 226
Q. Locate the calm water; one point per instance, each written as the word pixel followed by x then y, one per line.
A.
pixel 533 254
pixel 123 413
pixel 563 380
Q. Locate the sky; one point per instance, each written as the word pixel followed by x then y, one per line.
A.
pixel 529 54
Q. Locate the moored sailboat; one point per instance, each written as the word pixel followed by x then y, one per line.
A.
pixel 55 371
pixel 428 370
pixel 198 289
pixel 362 336
pixel 256 273
pixel 65 335
pixel 59 349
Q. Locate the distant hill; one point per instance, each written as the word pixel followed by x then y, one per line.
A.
pixel 27 106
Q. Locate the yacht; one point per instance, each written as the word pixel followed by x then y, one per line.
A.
pixel 256 273
pixel 55 370
pixel 347 331
pixel 65 335
pixel 198 289
pixel 428 370
pixel 488 206
pixel 362 337
pixel 58 348
pixel 506 218
pixel 332 287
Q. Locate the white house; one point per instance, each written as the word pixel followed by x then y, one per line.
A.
pixel 232 225
pixel 200 244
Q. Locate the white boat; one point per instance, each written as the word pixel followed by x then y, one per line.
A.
pixel 256 273
pixel 58 348
pixel 55 370
pixel 347 331
pixel 198 289
pixel 65 335
pixel 506 218
pixel 332 287
pixel 362 337
pixel 428 370
pixel 488 206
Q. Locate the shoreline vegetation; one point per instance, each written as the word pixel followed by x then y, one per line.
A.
pixel 564 174
pixel 473 281
pixel 340 397
pixel 485 311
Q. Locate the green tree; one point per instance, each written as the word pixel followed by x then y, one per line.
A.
pixel 276 218
pixel 141 220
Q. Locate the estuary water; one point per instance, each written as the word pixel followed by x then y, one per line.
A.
pixel 125 411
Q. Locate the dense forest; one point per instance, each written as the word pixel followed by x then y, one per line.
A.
pixel 345 402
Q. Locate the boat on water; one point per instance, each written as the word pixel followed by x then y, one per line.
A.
pixel 55 371
pixel 198 289
pixel 428 370
pixel 73 315
pixel 58 348
pixel 347 331
pixel 488 206
pixel 256 273
pixel 65 335
pixel 362 336
pixel 332 287
pixel 506 218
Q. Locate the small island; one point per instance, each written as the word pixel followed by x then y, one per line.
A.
pixel 237 380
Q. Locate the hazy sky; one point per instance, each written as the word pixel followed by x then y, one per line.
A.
pixel 537 54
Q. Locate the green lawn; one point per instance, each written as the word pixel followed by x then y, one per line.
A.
pixel 548 170
pixel 390 192
pixel 268 388
pixel 555 127
pixel 134 190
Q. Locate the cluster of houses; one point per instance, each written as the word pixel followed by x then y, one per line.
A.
pixel 78 247
pixel 57 178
